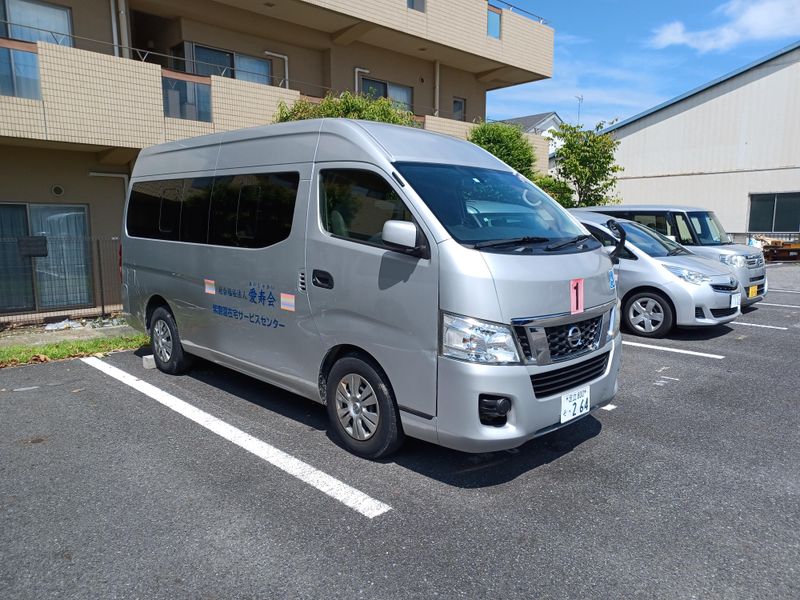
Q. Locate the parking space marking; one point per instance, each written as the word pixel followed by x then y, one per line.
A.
pixel 678 350
pixel 784 291
pixel 779 305
pixel 608 407
pixel 757 325
pixel 672 378
pixel 349 496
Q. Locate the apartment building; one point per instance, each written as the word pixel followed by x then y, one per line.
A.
pixel 85 84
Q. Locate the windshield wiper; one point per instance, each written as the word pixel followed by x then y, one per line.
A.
pixel 675 251
pixel 575 240
pixel 510 242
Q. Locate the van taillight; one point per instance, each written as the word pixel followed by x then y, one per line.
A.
pixel 120 262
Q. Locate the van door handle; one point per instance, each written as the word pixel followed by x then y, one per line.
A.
pixel 322 279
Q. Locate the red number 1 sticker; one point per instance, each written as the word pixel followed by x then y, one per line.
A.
pixel 576 296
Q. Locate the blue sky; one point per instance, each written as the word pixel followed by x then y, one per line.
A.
pixel 624 56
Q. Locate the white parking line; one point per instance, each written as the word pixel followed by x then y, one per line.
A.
pixel 779 305
pixel 757 325
pixel 608 407
pixel 784 291
pixel 679 351
pixel 349 496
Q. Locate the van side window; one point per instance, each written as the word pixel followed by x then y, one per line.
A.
pixel 684 234
pixel 154 209
pixel 252 211
pixel 659 223
pixel 355 204
pixel 194 210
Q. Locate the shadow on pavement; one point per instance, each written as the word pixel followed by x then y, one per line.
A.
pixel 464 470
pixel 690 334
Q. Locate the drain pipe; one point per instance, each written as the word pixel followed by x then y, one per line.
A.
pixel 436 83
pixel 285 59
pixel 123 29
pixel 356 72
pixel 112 6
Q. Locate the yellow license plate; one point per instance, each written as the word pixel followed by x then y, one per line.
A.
pixel 752 291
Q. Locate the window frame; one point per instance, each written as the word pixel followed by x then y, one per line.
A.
pixel 5 30
pixel 418 5
pixel 463 108
pixel 190 60
pixel 422 237
pixel 387 83
pixel 775 197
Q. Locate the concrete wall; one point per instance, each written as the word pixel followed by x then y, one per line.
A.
pixel 716 148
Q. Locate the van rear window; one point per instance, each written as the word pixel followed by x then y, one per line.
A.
pixel 245 211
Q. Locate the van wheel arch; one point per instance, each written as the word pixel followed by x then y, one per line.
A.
pixel 339 352
pixel 152 304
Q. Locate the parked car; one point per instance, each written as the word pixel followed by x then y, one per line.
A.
pixel 701 231
pixel 412 282
pixel 662 284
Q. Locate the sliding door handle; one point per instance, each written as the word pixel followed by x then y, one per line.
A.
pixel 322 279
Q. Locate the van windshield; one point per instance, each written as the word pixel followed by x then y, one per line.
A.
pixel 709 230
pixel 493 210
pixel 651 242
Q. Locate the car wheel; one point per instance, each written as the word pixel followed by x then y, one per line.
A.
pixel 361 408
pixel 649 314
pixel 166 343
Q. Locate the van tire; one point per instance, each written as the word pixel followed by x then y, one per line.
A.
pixel 165 343
pixel 656 305
pixel 362 379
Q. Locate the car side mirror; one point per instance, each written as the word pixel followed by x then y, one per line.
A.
pixel 619 232
pixel 402 236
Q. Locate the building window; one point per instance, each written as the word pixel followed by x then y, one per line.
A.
pixel 210 61
pixel 203 60
pixel 779 213
pixel 34 21
pixel 257 70
pixel 186 99
pixel 494 21
pixel 19 74
pixel 459 109
pixel 401 94
pixel 416 5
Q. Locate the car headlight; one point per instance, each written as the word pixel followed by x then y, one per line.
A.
pixel 734 260
pixel 478 341
pixel 688 275
pixel 613 321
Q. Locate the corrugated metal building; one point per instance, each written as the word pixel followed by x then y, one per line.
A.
pixel 732 145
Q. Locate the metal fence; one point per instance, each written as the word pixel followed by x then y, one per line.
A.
pixel 51 278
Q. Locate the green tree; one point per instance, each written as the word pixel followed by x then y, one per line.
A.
pixel 347 105
pixel 558 189
pixel 585 160
pixel 506 142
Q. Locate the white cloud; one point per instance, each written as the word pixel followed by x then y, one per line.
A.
pixel 745 20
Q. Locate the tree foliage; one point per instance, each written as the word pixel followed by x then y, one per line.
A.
pixel 558 189
pixel 585 160
pixel 506 142
pixel 347 105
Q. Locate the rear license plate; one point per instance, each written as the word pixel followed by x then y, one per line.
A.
pixel 736 300
pixel 752 291
pixel 574 404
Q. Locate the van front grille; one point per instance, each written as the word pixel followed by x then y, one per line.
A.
pixel 574 339
pixel 724 287
pixel 755 261
pixel 569 377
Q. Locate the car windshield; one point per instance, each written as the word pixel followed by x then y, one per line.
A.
pixel 497 210
pixel 651 242
pixel 709 230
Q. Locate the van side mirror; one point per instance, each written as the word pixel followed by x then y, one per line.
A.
pixel 402 236
pixel 619 232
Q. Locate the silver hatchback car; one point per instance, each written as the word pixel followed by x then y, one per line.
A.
pixel 662 284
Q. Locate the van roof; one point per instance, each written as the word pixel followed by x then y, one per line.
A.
pixel 642 207
pixel 321 140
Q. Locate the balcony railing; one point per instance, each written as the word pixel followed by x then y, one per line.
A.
pixel 186 96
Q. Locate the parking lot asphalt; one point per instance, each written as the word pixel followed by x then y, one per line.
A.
pixel 688 488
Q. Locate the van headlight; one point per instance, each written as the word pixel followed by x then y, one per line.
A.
pixel 477 341
pixel 614 319
pixel 695 277
pixel 734 260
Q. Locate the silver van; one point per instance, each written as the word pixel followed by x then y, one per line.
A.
pixel 412 282
pixel 661 284
pixel 701 231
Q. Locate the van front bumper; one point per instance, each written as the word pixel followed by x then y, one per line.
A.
pixel 461 383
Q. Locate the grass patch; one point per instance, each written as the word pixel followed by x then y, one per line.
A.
pixel 20 355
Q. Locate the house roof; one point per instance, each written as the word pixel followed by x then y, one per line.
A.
pixel 531 121
pixel 704 87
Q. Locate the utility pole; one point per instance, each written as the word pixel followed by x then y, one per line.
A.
pixel 579 98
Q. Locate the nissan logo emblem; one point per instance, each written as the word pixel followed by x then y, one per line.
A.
pixel 574 336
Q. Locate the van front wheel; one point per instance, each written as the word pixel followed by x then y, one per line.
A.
pixel 361 408
pixel 166 343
